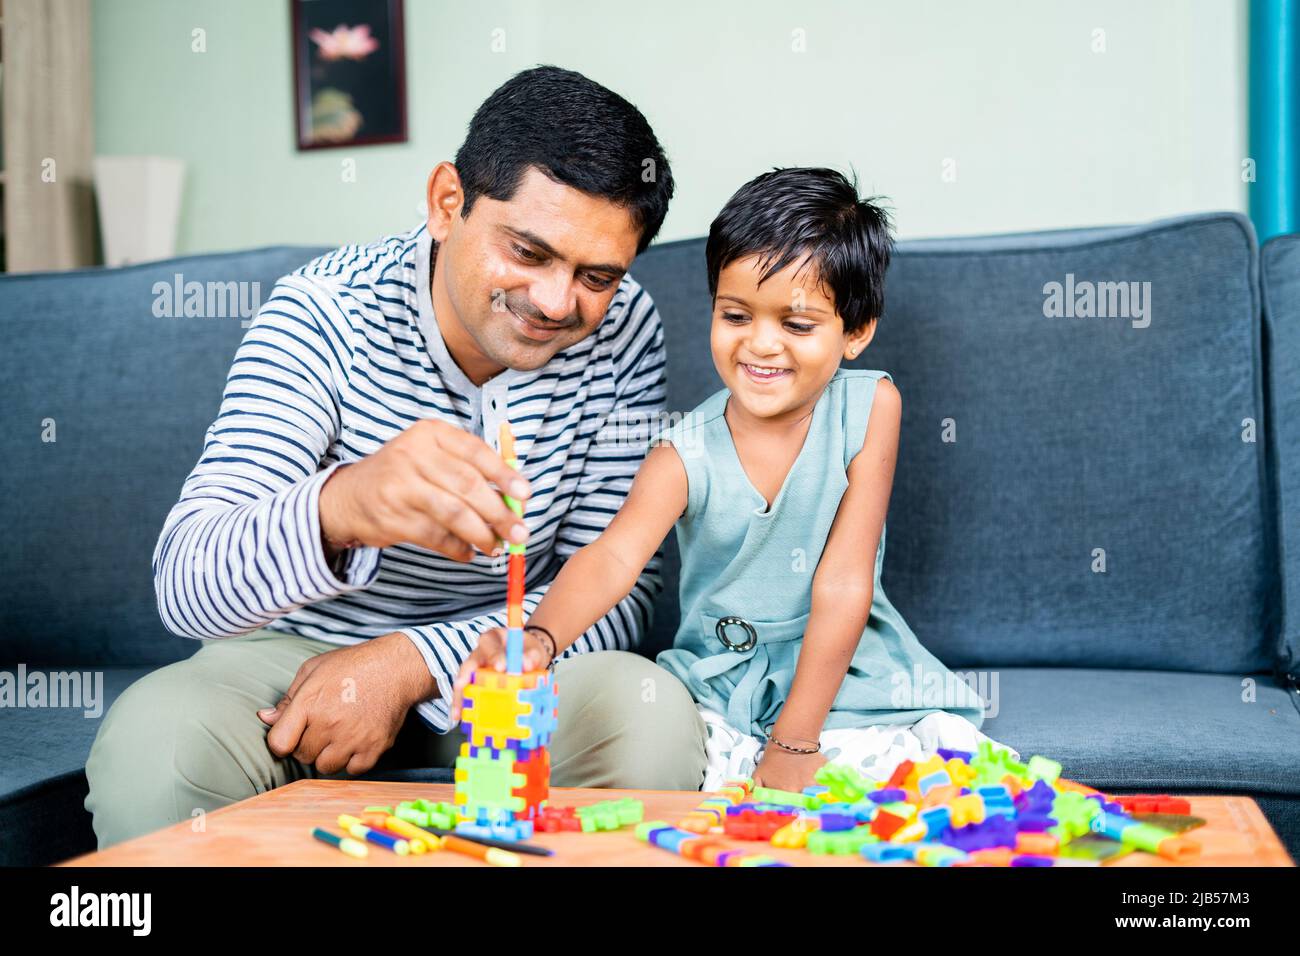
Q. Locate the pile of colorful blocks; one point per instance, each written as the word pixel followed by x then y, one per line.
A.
pixel 503 772
pixel 701 848
pixel 954 809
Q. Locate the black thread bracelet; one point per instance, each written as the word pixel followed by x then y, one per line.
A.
pixel 549 636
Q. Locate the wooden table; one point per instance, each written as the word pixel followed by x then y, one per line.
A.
pixel 274 829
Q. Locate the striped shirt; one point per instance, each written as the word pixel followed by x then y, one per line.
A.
pixel 343 356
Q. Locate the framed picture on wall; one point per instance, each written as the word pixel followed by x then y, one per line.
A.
pixel 349 72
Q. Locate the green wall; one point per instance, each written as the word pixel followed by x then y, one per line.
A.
pixel 1046 131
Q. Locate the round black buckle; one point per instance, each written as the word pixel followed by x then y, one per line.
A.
pixel 721 630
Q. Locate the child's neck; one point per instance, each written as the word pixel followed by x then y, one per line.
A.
pixel 791 423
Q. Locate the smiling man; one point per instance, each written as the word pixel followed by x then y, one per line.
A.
pixel 334 545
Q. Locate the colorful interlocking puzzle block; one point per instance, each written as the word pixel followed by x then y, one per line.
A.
pixel 842 843
pixel 425 813
pixel 885 824
pixel 746 822
pixel 486 781
pixel 706 816
pixel 693 846
pixel 845 783
pixel 509 710
pixel 1153 803
pixel 785 798
pixel 556 820
pixel 504 770
pixel 611 814
pixel 535 765
pixel 794 835
pixel 541 719
pixel 500 826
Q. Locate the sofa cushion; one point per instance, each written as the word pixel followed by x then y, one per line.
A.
pixel 42 779
pixel 1080 440
pixel 43 742
pixel 1280 289
pixel 1152 729
pixel 1036 446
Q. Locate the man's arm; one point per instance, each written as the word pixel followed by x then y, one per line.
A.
pixel 611 467
pixel 243 544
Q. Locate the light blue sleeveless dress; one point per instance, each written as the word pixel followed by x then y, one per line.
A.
pixel 747 573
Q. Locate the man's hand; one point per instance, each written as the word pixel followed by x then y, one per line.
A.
pixel 345 707
pixel 429 486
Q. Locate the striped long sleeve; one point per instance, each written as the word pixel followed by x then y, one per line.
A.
pixel 242 546
pixel 612 461
pixel 343 357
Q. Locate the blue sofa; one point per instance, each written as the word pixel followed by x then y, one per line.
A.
pixel 1102 513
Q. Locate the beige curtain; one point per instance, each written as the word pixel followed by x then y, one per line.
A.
pixel 49 219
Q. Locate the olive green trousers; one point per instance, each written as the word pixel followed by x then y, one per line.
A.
pixel 186 739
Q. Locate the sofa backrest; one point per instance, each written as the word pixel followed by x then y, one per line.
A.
pixel 1071 490
pixel 1036 450
pixel 1280 288
pixel 106 363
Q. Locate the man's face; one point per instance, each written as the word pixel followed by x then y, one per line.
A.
pixel 529 277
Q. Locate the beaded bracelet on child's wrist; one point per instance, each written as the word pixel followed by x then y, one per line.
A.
pixel 794 750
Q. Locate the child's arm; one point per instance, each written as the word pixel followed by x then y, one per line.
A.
pixel 843 583
pixel 599 574
pixel 602 573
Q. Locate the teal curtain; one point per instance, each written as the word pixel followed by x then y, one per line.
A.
pixel 1275 116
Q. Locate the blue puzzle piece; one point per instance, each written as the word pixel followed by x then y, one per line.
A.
pixel 543 701
pixel 498 830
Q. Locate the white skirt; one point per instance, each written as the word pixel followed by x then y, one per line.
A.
pixel 874 751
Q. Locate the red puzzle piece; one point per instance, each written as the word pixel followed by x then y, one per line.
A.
pixel 1153 803
pixel 556 819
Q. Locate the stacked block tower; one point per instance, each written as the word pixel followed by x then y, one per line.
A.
pixel 504 770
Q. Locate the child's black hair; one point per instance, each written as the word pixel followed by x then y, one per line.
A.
pixel 812 213
pixel 575 131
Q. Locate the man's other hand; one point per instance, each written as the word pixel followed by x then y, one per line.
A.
pixel 346 706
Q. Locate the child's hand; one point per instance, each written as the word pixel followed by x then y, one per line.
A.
pixel 491 654
pixel 782 770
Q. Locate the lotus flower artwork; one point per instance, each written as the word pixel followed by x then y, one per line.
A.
pixel 344 42
pixel 334 118
pixel 349 72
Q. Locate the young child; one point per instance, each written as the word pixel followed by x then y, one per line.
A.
pixel 778 485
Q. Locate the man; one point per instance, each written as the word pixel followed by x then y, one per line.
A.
pixel 335 540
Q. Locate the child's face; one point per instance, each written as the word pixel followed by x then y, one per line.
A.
pixel 787 323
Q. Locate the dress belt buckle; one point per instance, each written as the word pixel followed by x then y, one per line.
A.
pixel 750 641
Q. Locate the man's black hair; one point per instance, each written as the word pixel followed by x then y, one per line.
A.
pixel 814 214
pixel 575 131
